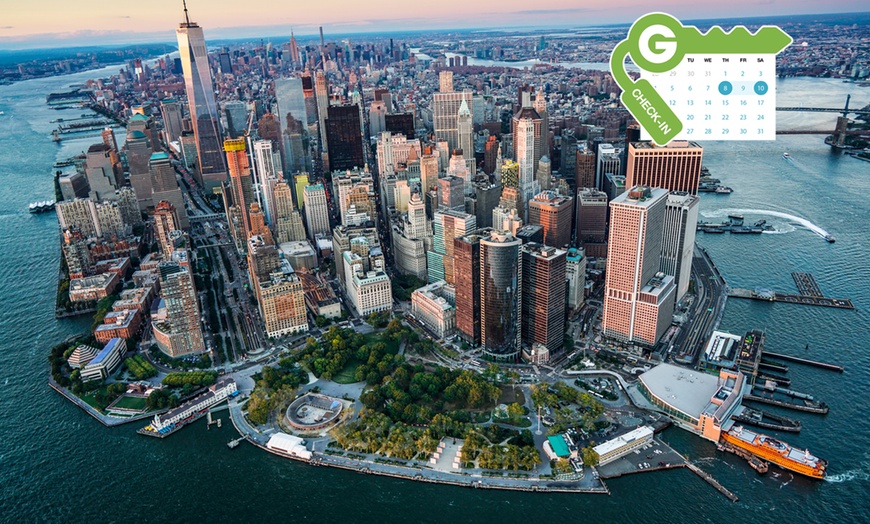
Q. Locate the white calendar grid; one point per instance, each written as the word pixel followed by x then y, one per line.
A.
pixel 721 97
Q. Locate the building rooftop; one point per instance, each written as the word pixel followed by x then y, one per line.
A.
pixel 657 284
pixel 112 345
pixel 560 447
pixel 613 444
pixel 674 144
pixel 159 156
pixel 722 348
pixel 684 389
pixel 640 196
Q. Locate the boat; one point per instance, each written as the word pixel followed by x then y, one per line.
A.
pixel 758 465
pixel 830 238
pixel 786 155
pixel 760 223
pixel 724 190
pixel 41 207
pixel 776 452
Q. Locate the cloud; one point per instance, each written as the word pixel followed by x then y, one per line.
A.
pixel 7 27
pixel 567 11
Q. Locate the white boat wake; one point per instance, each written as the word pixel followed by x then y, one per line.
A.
pixel 791 218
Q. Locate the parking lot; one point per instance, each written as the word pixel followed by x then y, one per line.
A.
pixel 652 456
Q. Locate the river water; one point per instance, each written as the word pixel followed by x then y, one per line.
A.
pixel 59 465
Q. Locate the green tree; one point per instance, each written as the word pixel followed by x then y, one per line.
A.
pixel 590 456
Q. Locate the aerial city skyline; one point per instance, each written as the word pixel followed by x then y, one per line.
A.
pixel 457 260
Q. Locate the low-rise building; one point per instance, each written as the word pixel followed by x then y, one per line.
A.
pixel 536 354
pixel 106 360
pixel 431 307
pixel 623 444
pixel 118 324
pixel 81 356
pixel 92 288
pixel 119 266
pixel 217 393
pixel 138 298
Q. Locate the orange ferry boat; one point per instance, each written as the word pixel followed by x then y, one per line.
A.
pixel 777 452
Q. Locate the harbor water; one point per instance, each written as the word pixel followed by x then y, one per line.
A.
pixel 57 464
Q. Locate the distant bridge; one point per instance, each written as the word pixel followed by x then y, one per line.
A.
pixel 840 128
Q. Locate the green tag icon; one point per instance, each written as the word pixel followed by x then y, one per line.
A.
pixel 657 43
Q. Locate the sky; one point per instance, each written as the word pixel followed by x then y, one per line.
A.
pixel 57 23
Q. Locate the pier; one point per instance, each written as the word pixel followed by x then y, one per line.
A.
pixel 810 294
pixel 823 365
pixel 807 285
pixel 713 482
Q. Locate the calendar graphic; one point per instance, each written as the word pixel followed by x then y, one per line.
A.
pixel 699 86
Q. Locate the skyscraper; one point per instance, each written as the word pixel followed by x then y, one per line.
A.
pixel 465 129
pixel 591 216
pixel 543 296
pixel 609 163
pixel 451 193
pixel 240 180
pixel 321 95
pixel 584 168
pixel 294 124
pixel 173 117
pixel 527 134
pixel 316 210
pixel 343 138
pixel 165 222
pixel 675 167
pixel 447 225
pixel 211 170
pixel 164 186
pixel 678 239
pixel 575 274
pixel 182 329
pixel 553 213
pixel 500 295
pixel 287 221
pixel 466 253
pixel 638 297
pixel 541 108
pixel 237 118
pixel 445 110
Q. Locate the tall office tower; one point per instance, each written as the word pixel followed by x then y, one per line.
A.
pixel 490 154
pixel 293 120
pixel 638 298
pixel 108 136
pixel 445 81
pixel 269 127
pixel 591 215
pixel 300 181
pixel 182 329
pixel 486 196
pixel 341 240
pixel 263 259
pixel 343 138
pixel 316 210
pixel 100 169
pixel 377 118
pixel 466 253
pixel 268 171
pixel 288 222
pixel 451 193
pixel 211 170
pixel 466 131
pixel 164 186
pixel 543 296
pixel 575 274
pixel 173 118
pixel 400 123
pixel 344 183
pixel 445 111
pixel 609 163
pixel 321 94
pixel 447 225
pixel 80 214
pixel 500 295
pixel 226 66
pixel 526 143
pixel 109 219
pixel 294 50
pixel 541 108
pixel 140 122
pixel 240 180
pixel 428 171
pixel 402 196
pixel 554 213
pixel 258 224
pixel 310 102
pixel 411 237
pixel 544 175
pixel 584 169
pixel 165 222
pixel 128 203
pixel 458 167
pixel 282 302
pixel 675 167
pixel 510 174
pixel 678 242
pixel 237 118
pixel 138 156
pixel 395 151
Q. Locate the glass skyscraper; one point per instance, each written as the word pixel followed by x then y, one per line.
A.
pixel 294 124
pixel 211 169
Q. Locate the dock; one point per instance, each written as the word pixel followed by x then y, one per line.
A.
pixel 809 294
pixel 806 402
pixel 713 482
pixel 823 365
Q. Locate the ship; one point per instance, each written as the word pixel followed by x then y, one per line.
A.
pixel 41 207
pixel 724 190
pixel 830 238
pixel 786 155
pixel 776 452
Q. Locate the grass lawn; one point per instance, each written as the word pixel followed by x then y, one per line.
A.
pixel 91 401
pixel 392 345
pixel 346 376
pixel 510 394
pixel 134 403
